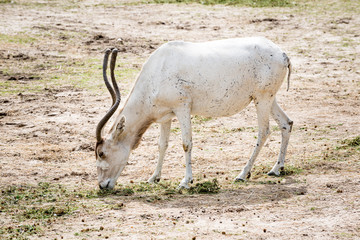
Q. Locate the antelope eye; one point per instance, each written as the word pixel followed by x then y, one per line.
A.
pixel 101 154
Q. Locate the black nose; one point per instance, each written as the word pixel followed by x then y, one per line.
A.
pixel 107 186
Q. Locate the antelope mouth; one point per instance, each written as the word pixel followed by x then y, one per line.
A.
pixel 106 185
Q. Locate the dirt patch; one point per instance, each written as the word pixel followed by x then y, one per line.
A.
pixel 52 97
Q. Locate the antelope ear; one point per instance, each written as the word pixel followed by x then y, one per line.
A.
pixel 120 126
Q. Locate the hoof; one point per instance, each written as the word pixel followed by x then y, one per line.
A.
pixel 239 180
pixel 242 178
pixel 153 180
pixel 183 186
pixel 272 173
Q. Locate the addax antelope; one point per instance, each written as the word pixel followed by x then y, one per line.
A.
pixel 180 79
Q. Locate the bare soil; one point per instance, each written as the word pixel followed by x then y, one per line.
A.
pixel 52 97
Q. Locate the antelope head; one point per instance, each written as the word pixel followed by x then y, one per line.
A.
pixel 111 153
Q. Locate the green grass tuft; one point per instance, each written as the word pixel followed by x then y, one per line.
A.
pixel 349 147
pixel 19 38
pixel 290 170
pixel 119 192
pixel 34 203
pixel 20 232
pixel 46 212
pixel 206 187
pixel 262 170
pixel 163 188
pixel 199 119
pixel 354 142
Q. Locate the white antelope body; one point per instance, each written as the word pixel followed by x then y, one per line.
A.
pixel 181 79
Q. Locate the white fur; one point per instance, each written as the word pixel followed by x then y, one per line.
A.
pixel 103 165
pixel 212 79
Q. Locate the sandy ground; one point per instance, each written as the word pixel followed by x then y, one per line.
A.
pixel 48 119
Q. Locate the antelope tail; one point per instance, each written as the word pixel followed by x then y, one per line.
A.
pixel 289 73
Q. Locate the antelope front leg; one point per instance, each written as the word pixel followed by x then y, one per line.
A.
pixel 184 118
pixel 163 144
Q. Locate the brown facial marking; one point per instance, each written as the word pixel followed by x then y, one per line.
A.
pixel 96 147
pixel 140 133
